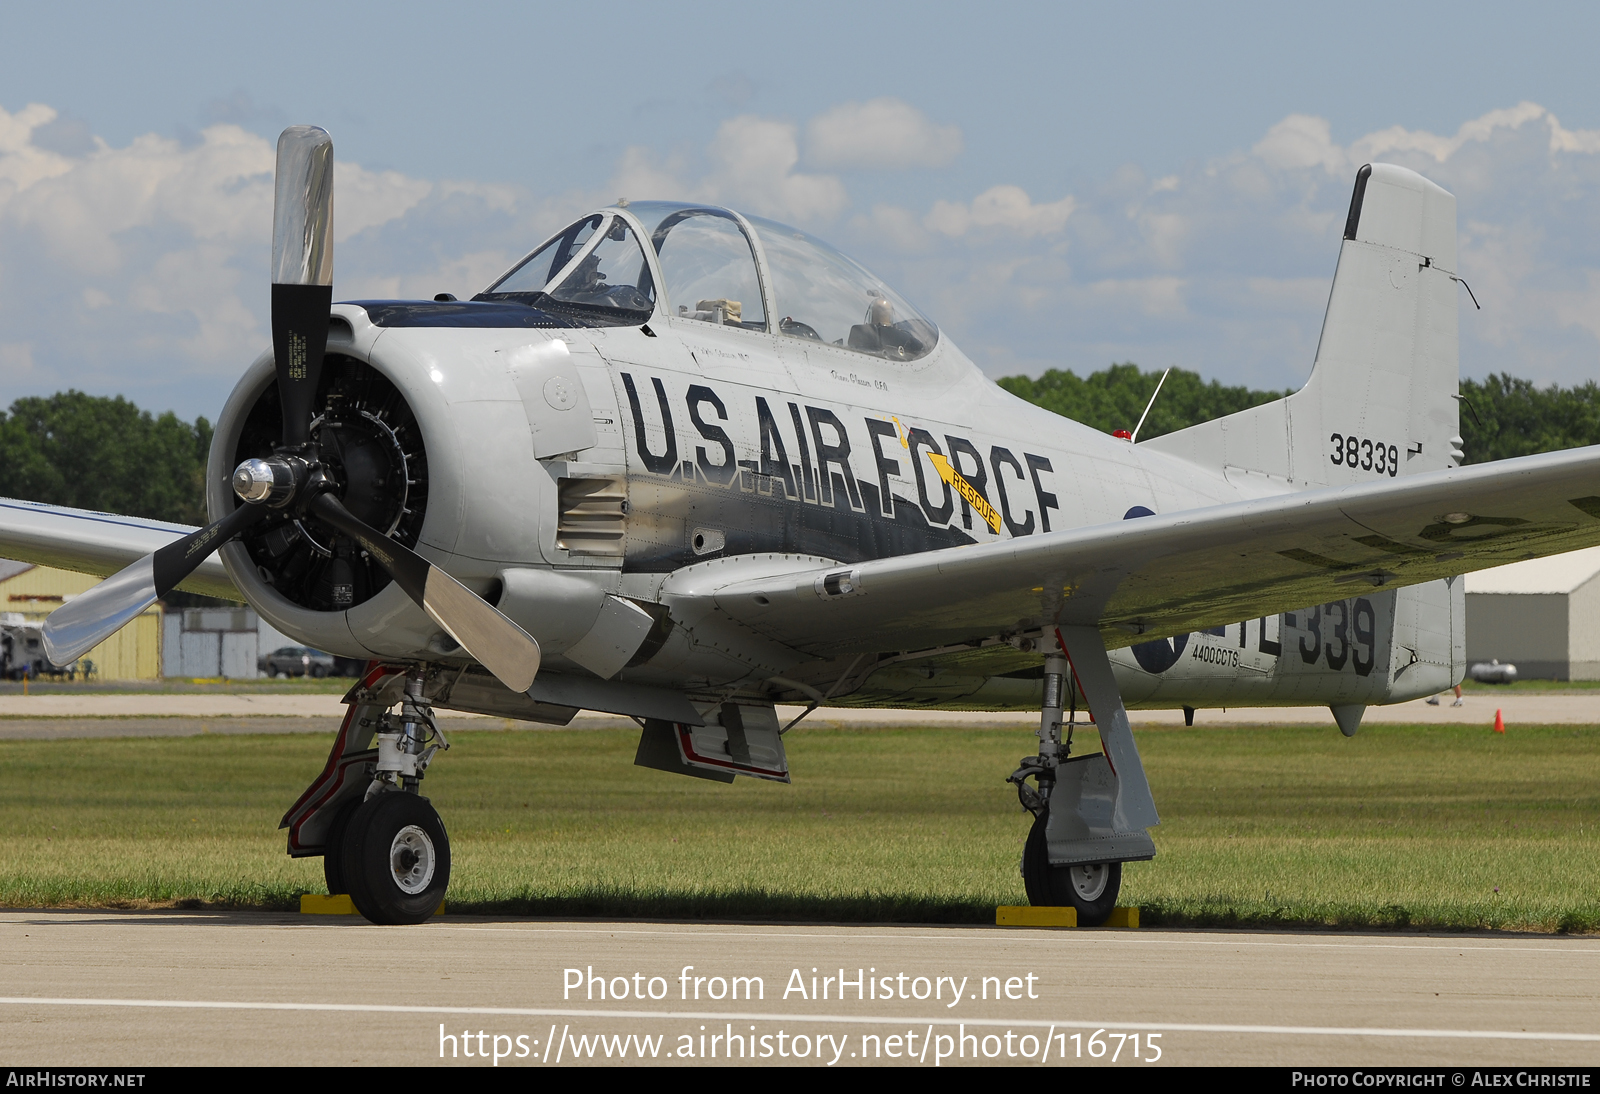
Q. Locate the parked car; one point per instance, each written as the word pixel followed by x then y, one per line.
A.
pixel 297 661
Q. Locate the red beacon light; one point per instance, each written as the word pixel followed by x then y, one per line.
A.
pixel 1122 434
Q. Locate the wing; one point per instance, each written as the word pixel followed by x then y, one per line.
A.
pixel 97 543
pixel 1159 575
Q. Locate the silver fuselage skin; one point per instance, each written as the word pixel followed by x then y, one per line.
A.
pixel 735 444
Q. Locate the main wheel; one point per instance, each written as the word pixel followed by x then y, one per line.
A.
pixel 396 858
pixel 333 848
pixel 1091 888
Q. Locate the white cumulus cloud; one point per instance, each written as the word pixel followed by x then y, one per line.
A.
pixel 145 266
pixel 1006 207
pixel 141 268
pixel 1301 141
pixel 883 134
pixel 750 164
pixel 1225 267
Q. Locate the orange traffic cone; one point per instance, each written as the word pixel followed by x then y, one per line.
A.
pixel 1499 723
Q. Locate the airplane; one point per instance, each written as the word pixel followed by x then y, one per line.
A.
pixel 684 464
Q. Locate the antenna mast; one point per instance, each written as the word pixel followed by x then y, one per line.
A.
pixel 1135 438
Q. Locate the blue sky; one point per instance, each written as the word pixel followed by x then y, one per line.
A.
pixel 1056 185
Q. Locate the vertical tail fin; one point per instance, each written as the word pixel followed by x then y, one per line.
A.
pixel 1381 397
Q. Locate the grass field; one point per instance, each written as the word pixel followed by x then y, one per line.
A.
pixel 1533 687
pixel 1450 827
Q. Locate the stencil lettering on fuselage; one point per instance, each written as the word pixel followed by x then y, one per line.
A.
pixel 776 472
pixel 1345 636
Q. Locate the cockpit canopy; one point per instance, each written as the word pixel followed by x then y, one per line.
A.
pixel 715 266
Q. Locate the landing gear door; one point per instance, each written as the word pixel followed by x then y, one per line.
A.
pixel 1081 828
pixel 736 740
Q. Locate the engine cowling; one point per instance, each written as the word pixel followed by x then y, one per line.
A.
pixel 370 443
pixel 428 441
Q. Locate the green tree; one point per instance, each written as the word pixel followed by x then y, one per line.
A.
pixel 1115 397
pixel 1501 417
pixel 91 452
pixel 1504 417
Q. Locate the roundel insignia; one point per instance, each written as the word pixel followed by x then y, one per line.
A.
pixel 1160 655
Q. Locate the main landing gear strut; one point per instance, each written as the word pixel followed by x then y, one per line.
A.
pixel 381 841
pixel 1090 812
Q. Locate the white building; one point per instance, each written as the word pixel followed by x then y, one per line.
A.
pixel 1542 616
pixel 207 643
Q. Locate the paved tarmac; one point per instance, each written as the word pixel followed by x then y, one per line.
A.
pixel 131 989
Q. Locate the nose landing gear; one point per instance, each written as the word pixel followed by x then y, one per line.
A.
pixel 397 858
pixel 394 855
pixel 381 841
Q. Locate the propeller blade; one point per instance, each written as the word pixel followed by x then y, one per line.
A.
pixel 89 619
pixel 302 271
pixel 497 643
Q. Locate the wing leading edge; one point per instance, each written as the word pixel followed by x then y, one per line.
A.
pixel 97 543
pixel 1163 575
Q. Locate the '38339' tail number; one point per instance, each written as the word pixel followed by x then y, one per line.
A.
pixel 1364 454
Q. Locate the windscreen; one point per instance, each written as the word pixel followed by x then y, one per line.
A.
pixel 602 280
pixel 612 275
pixel 536 270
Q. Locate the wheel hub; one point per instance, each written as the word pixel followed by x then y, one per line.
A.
pixel 1089 881
pixel 412 859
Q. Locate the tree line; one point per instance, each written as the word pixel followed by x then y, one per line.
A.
pixel 1113 398
pixel 93 452
pixel 104 453
pixel 1501 416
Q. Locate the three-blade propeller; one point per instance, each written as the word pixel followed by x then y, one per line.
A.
pixel 294 478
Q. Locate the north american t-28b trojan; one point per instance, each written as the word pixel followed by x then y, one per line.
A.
pixel 683 464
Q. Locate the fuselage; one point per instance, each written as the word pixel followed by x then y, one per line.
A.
pixel 694 439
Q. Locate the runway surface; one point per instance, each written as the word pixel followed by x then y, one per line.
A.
pixel 129 989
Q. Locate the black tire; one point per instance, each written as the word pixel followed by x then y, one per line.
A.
pixel 388 835
pixel 1092 889
pixel 318 672
pixel 333 848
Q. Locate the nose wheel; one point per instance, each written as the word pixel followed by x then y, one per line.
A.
pixel 333 855
pixel 395 858
pixel 1091 888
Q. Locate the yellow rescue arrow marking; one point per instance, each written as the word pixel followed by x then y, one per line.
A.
pixel 979 503
pixel 950 475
